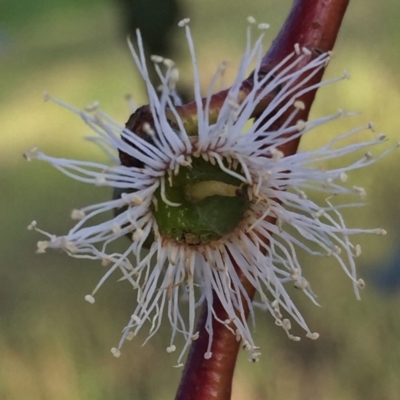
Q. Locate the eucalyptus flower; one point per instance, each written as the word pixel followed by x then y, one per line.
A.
pixel 206 195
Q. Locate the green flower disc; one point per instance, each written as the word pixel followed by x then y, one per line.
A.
pixel 197 221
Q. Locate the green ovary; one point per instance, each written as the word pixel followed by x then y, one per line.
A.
pixel 212 204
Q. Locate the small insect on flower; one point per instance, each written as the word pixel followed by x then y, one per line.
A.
pixel 205 197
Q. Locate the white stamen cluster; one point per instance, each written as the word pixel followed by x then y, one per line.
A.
pixel 277 187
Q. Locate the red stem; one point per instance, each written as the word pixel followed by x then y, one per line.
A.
pixel 313 24
pixel 212 379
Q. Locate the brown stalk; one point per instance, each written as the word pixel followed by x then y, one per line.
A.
pixel 313 24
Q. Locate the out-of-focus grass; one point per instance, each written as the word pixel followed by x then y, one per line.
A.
pixel 53 345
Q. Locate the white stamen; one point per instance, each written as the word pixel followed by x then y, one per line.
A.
pixel 166 269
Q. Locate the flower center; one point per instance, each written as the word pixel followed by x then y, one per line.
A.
pixel 212 203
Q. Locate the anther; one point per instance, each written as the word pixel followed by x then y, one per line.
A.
pixel 312 335
pixel 246 345
pixel 115 352
pixel 254 357
pixel 92 107
pixel 116 228
pixel 168 63
pixel 156 59
pixel 301 283
pixel 286 324
pixel 302 195
pixel 300 125
pixel 174 75
pixel 42 245
pixel 343 177
pixel 90 299
pixel 32 225
pixel 105 262
pixel 299 105
pixel 148 129
pixel 136 200
pixel 77 215
pixel 183 22
pixel 100 179
pixel 361 283
pixel 30 153
pixel 360 191
pixel 137 235
pixel 276 154
pixel 171 349
pixel 263 26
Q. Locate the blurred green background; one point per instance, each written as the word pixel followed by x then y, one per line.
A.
pixel 56 346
